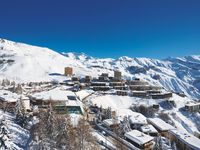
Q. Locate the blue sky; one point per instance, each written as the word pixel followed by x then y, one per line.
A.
pixel 105 28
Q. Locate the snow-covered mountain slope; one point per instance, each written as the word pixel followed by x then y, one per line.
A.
pixel 25 63
pixel 174 74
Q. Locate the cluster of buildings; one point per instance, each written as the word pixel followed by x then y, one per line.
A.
pixel 192 106
pixel 63 101
pixel 119 86
pixel 144 131
pixel 183 140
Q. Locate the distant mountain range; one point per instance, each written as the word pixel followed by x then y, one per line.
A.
pixel 26 63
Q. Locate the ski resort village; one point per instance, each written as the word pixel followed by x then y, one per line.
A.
pixel 62 101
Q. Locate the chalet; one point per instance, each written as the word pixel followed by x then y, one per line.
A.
pixel 139 140
pixel 8 99
pixel 111 123
pixel 137 120
pixel 68 71
pixel 184 141
pixel 161 96
pixel 150 130
pixel 160 125
pixel 62 101
pixel 7 105
pixel 192 106
pixel 122 92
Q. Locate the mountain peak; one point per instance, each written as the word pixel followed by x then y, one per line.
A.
pixel 78 56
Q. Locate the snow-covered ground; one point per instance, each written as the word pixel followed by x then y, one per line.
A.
pixel 8 96
pixel 121 104
pixel 26 63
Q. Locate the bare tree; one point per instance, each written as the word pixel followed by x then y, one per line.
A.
pixel 85 139
pixel 118 131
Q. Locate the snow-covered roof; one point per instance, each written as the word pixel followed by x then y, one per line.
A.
pixel 54 94
pixel 109 122
pixel 8 96
pixel 160 124
pixel 138 137
pixel 189 139
pixel 83 93
pixel 148 129
pixel 73 103
pixel 137 118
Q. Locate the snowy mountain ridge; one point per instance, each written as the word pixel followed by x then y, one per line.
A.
pixel 26 63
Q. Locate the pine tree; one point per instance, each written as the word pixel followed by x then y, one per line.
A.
pixel 4 136
pixel 125 125
pixel 109 113
pixel 50 121
pixel 3 83
pixel 50 127
pixel 19 89
pixel 20 112
pixel 158 144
